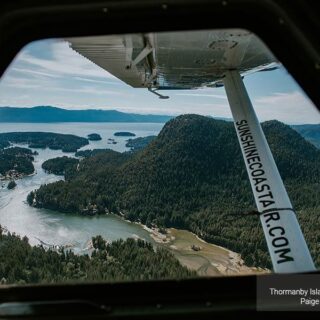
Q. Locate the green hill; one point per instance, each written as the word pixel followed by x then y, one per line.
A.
pixel 192 176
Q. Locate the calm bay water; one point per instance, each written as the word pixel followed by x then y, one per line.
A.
pixel 106 130
pixel 56 228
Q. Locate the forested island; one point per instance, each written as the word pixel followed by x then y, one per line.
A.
pixel 90 153
pixel 16 162
pixel 94 137
pixel 124 134
pixel 192 176
pixel 11 185
pixel 117 261
pixel 42 140
pixel 139 143
pixel 60 165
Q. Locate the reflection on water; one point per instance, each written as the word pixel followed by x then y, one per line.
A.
pixel 54 228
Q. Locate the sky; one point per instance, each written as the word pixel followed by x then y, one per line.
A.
pixel 49 72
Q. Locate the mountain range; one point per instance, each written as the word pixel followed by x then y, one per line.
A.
pixel 54 114
pixel 310 132
pixel 49 114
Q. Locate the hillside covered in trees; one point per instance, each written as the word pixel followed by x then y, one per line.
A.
pixel 192 176
pixel 117 261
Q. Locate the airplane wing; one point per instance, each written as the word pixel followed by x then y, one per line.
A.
pixel 176 60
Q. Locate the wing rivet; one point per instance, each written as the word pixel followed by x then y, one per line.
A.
pixel 164 6
pixel 105 10
pixel 224 3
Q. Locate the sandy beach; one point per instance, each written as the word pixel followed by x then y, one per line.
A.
pixel 205 258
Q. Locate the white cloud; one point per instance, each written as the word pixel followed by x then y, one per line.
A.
pixel 66 79
pixel 90 91
pixel 65 61
pixel 34 72
pixel 278 97
pixel 202 95
pixel 48 85
pixel 291 107
pixel 21 83
pixel 96 81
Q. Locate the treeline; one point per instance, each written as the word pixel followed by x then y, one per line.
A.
pixel 122 260
pixel 42 140
pixel 60 165
pixel 192 176
pixel 18 159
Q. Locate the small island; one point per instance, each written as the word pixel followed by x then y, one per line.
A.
pixel 124 134
pixel 94 137
pixel 90 153
pixel 139 143
pixel 11 185
pixel 60 165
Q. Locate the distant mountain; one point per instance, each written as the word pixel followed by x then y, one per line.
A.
pixel 310 132
pixel 192 176
pixel 54 114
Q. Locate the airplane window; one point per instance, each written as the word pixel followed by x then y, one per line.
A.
pixel 119 160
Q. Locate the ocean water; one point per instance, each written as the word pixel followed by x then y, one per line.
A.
pixel 55 228
pixel 106 130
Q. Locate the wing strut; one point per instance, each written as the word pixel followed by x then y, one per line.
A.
pixel 286 243
pixel 161 96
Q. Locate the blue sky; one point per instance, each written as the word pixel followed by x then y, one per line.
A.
pixel 48 72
